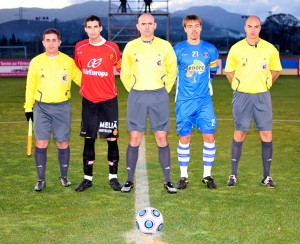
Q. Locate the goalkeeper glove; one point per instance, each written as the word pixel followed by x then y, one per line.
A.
pixel 29 115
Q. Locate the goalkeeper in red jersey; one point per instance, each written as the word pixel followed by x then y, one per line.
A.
pixel 97 58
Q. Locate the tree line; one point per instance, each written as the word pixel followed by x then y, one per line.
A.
pixel 282 30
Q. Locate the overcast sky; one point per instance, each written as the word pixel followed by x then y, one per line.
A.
pixel 262 8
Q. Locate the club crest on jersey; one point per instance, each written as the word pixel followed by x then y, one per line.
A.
pixel 115 132
pixel 264 66
pixel 178 127
pixel 111 56
pixel 159 63
pixel 64 78
pixel 205 54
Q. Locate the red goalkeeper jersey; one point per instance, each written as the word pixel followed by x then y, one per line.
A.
pixel 97 65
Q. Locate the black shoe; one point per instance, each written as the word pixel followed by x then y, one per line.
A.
pixel 115 184
pixel 232 180
pixel 127 186
pixel 40 185
pixel 209 182
pixel 84 185
pixel 182 183
pixel 268 182
pixel 65 181
pixel 169 186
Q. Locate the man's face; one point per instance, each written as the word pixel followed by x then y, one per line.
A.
pixel 51 44
pixel 193 29
pixel 146 26
pixel 93 29
pixel 252 28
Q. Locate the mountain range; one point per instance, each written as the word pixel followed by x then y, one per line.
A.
pixel 22 23
pixel 214 15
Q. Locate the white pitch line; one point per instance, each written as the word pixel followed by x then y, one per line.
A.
pixel 142 199
pixel 141 180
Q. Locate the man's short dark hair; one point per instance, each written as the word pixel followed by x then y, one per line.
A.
pixel 52 31
pixel 92 18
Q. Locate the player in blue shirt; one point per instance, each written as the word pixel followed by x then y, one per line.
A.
pixel 197 66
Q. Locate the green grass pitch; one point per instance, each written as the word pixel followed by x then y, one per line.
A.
pixel 247 213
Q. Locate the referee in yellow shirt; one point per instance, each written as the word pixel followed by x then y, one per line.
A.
pixel 252 66
pixel 48 91
pixel 148 72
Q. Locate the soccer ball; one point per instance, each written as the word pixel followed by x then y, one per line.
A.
pixel 149 220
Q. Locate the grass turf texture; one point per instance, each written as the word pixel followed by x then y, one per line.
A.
pixel 247 213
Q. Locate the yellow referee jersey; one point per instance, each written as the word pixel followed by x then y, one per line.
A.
pixel 148 66
pixel 49 79
pixel 252 66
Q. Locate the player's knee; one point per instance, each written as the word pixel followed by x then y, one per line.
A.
pixel 239 136
pixel 185 139
pixel 161 138
pixel 266 136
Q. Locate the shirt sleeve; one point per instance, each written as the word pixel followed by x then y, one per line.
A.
pixel 76 74
pixel 30 87
pixel 76 58
pixel 275 64
pixel 230 63
pixel 213 64
pixel 118 63
pixel 171 66
pixel 126 66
